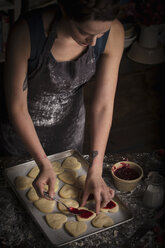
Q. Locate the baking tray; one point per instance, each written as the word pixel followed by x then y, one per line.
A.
pixel 60 237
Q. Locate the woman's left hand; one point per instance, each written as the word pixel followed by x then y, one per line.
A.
pixel 96 185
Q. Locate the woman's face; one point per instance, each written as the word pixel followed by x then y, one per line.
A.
pixel 86 33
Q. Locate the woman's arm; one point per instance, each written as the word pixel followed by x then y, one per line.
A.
pixel 16 89
pixel 101 114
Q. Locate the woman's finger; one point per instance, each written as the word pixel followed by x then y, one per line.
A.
pixel 84 198
pixel 51 188
pixel 106 197
pixel 111 192
pixel 39 188
pixel 97 201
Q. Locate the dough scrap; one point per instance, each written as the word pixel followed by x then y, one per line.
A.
pixel 55 220
pixel 33 172
pixel 44 205
pixel 102 220
pixel 68 177
pixel 68 191
pixel 71 163
pixel 23 182
pixel 69 203
pixel 111 210
pixel 79 218
pixel 32 194
pixel 75 228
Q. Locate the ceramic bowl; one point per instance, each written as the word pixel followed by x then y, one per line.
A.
pixel 129 41
pixel 146 55
pixel 126 185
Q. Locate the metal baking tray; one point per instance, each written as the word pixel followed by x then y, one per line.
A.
pixel 61 237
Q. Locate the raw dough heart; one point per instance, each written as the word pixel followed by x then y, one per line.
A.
pixel 56 220
pixel 44 205
pixel 32 194
pixel 57 167
pixel 33 172
pixel 68 191
pixel 71 163
pixel 68 177
pixel 102 220
pixel 75 228
pixel 23 183
pixel 56 164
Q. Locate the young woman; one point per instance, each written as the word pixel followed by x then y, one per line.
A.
pixel 51 54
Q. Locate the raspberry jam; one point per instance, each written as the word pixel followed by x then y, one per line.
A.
pixel 110 205
pixel 126 173
pixel 81 212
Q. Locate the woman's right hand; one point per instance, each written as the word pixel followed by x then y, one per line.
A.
pixel 46 176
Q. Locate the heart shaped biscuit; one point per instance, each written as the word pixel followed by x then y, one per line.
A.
pixel 33 172
pixel 56 220
pixel 68 177
pixel 57 167
pixel 71 163
pixel 23 183
pixel 111 207
pixel 102 220
pixel 75 228
pixel 69 203
pixel 44 205
pixel 32 194
pixel 86 217
pixel 68 191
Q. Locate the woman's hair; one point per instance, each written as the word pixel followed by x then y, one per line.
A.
pixel 85 10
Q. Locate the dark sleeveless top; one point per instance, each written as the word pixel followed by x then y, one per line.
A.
pixel 55 93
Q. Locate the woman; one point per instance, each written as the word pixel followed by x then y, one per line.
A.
pixel 51 54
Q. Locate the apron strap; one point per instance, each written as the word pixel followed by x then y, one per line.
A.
pixel 48 44
pixel 50 39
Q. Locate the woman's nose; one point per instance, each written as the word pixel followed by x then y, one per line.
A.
pixel 92 40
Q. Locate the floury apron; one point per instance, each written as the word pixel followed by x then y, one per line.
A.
pixel 55 101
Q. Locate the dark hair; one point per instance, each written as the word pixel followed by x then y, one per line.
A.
pixel 85 10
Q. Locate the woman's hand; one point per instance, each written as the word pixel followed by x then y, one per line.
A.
pixel 95 185
pixel 46 176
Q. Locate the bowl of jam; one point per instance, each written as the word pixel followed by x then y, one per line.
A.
pixel 126 175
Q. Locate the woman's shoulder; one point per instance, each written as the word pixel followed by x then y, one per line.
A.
pixel 115 40
pixel 117 27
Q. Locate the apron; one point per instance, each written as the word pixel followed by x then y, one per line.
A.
pixel 55 101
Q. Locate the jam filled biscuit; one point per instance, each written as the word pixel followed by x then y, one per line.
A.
pixel 111 207
pixel 69 203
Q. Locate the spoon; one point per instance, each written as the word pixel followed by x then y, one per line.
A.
pixel 82 212
pixel 70 209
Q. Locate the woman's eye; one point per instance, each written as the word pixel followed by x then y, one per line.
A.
pixel 82 32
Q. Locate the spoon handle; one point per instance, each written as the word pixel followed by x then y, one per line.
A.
pixel 56 199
